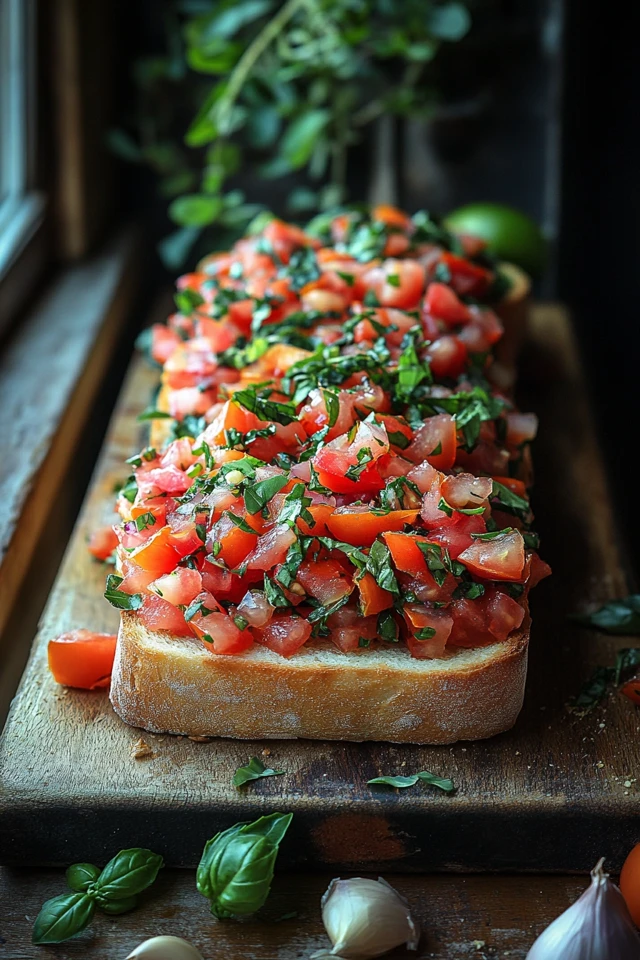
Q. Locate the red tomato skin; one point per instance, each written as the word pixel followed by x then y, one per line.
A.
pixel 82 659
pixel 159 614
pixel 442 303
pixel 447 357
pixel 284 634
pixel 103 542
pixel 630 883
pixel 631 690
pixel 361 527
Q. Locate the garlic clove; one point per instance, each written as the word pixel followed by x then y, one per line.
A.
pixel 596 927
pixel 366 918
pixel 165 948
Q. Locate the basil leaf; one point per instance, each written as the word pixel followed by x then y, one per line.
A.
pixel 627 660
pixel 387 627
pixel 63 917
pixel 128 873
pixel 510 502
pixel 254 770
pixel 426 777
pixel 492 534
pixel 187 300
pixel 593 691
pixel 80 876
pixel 257 496
pixel 129 489
pixel 113 908
pixel 264 408
pixel 120 599
pixel 620 617
pixel 274 594
pixel 239 522
pixel 379 566
pixel 237 865
pixel 152 414
pixel 332 403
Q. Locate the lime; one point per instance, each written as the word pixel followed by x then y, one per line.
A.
pixel 510 234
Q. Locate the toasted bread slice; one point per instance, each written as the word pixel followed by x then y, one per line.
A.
pixel 171 684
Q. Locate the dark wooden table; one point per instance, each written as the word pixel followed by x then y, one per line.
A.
pixel 463 917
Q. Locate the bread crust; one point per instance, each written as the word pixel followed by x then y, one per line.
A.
pixel 174 685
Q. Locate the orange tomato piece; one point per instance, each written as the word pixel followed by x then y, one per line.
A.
pixel 511 483
pixel 157 554
pixel 406 554
pixel 373 599
pixel 630 883
pixel 82 658
pixel 320 513
pixel 360 526
pixel 103 542
pixel 386 213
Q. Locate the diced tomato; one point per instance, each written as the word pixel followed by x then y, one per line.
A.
pixel 159 614
pixel 435 441
pixel 359 525
pixel 428 630
pixel 235 544
pixel 397 283
pixel 455 533
pixel 82 658
pixel 179 587
pixel 406 554
pixel 521 428
pixel 386 213
pixel 169 480
pixel 350 631
pixel 190 401
pixel 103 542
pixel 373 599
pixel 470 628
pixel 516 486
pixel 285 238
pixel 341 456
pixel 467 279
pixel 163 342
pixel 326 580
pixel 255 608
pixel 504 614
pixel 501 558
pixel 447 357
pixel 631 690
pixel 464 491
pixel 320 513
pixel 157 555
pixel 284 634
pixel 442 303
pixel 271 548
pixel 219 634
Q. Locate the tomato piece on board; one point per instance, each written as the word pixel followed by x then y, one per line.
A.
pixel 373 599
pixel 631 689
pixel 82 658
pixel 630 883
pixel 284 634
pixel 359 525
pixel 103 542
pixel 163 342
pixel 501 558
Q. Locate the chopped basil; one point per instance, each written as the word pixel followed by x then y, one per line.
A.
pixel 320 613
pixel 398 439
pixel 469 590
pixel 264 408
pixel 152 414
pixel 444 506
pixel 349 278
pixel 424 776
pixel 393 279
pixel 302 268
pixel 492 534
pixel 425 633
pixel 144 520
pixel 118 598
pixel 620 617
pixel 274 594
pixel 387 627
pixel 196 608
pixel 254 770
pixel 239 522
pixel 149 453
pixel 188 300
pixel 129 490
pixel 379 566
pixel 510 502
pixel 370 299
pixel 355 471
pixel 332 403
pixel 256 496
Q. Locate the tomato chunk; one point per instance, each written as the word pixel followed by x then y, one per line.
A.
pixel 284 634
pixel 373 599
pixel 359 525
pixel 103 542
pixel 501 558
pixel 82 658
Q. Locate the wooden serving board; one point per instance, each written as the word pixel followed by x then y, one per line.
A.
pixel 553 794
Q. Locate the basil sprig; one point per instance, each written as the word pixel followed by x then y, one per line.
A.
pixel 237 865
pixel 114 890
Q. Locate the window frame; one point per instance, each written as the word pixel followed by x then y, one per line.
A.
pixel 22 206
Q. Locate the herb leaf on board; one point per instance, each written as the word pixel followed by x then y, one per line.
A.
pixel 254 770
pixel 403 782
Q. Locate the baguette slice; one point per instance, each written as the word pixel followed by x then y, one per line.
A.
pixel 171 684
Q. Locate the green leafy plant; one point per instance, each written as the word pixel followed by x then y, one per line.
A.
pixel 114 890
pixel 237 865
pixel 276 88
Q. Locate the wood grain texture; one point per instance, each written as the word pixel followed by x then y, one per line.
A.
pixel 462 918
pixel 555 793
pixel 49 375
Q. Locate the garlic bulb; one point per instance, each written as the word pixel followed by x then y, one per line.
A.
pixel 165 948
pixel 366 918
pixel 596 927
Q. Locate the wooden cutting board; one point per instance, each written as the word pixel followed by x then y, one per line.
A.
pixel 553 794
